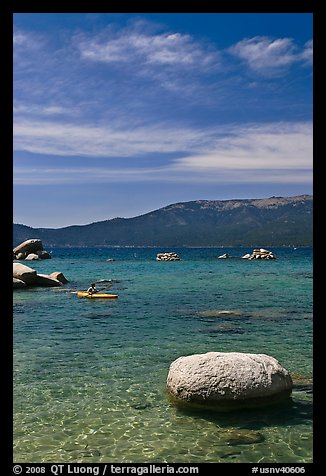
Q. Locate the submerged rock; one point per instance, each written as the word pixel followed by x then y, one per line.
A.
pixel 226 381
pixel 218 313
pixel 224 329
pixel 244 437
pixel 230 454
pixel 307 388
pixel 300 379
pixel 141 406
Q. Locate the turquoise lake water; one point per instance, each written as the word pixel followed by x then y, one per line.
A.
pixel 90 375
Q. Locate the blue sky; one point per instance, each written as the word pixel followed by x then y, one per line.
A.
pixel 121 114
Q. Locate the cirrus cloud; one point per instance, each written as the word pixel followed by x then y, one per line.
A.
pixel 137 46
pixel 276 152
pixel 267 56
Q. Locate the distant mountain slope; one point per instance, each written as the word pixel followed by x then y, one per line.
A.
pixel 274 221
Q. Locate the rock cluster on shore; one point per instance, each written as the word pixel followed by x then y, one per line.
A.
pixel 167 257
pixel 259 254
pixel 30 250
pixel 25 276
pixel 227 381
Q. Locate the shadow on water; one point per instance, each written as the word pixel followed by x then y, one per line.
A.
pixel 293 411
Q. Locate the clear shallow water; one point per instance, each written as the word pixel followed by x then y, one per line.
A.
pixel 89 376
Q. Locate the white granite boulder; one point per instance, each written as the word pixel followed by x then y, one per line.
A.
pixel 29 246
pixel 31 257
pixel 227 380
pixel 30 277
pixel 59 277
pixel 30 250
pixel 260 253
pixel 24 273
pixel 167 257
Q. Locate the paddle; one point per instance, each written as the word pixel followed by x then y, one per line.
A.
pixel 103 289
pixel 103 281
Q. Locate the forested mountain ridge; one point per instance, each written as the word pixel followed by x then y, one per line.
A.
pixel 274 221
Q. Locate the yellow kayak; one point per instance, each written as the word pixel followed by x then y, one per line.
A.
pixel 96 295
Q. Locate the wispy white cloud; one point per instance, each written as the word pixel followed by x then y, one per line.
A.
pixel 271 56
pixel 87 175
pixel 64 139
pixel 307 53
pixel 112 70
pixel 137 46
pixel 55 105
pixel 24 39
pixel 140 70
pixel 277 152
pixel 270 146
pixel 169 60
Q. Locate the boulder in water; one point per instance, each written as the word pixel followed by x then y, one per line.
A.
pixel 227 380
pixel 24 273
pixel 29 246
pixel 167 257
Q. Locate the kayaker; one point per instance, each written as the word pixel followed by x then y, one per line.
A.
pixel 92 289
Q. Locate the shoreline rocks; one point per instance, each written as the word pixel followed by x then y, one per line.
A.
pixel 30 250
pixel 24 276
pixel 260 253
pixel 24 273
pixel 167 257
pixel 223 381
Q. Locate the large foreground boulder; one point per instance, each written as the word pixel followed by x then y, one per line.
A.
pixel 227 380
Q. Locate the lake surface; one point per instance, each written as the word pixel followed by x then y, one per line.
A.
pixel 89 375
